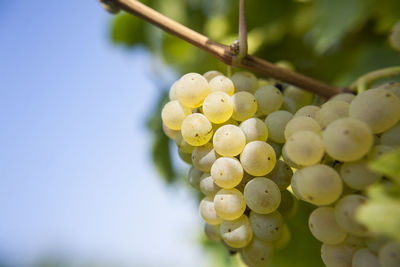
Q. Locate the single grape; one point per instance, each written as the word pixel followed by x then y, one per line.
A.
pixel 194 177
pixel 276 123
pixel 393 87
pixel 203 157
pixel 266 227
pixel 212 232
pixel 236 233
pixel 244 106
pixel 229 203
pixel 308 111
pixel 186 157
pixel 262 195
pixel 209 75
pixel 301 123
pixel 323 226
pixel 229 140
pixel 389 255
pixel 337 255
pixel 346 97
pixel 289 105
pixel 207 185
pixel 281 174
pixel 245 81
pixel 254 129
pixel 172 92
pixel 287 159
pixel 305 148
pixel 365 258
pixel 357 175
pixel 182 144
pixel 208 211
pixel 218 107
pixel 258 253
pixel 192 89
pixel 196 129
pixel 169 132
pixel 269 99
pixel 227 172
pixel 331 111
pixel 258 158
pixel 173 114
pixel 221 83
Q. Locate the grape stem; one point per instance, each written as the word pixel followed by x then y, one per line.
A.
pixel 362 83
pixel 242 33
pixel 224 52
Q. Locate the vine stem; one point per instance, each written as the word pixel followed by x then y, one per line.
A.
pixel 362 83
pixel 242 33
pixel 223 52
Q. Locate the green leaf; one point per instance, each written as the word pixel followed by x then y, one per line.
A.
pixel 389 165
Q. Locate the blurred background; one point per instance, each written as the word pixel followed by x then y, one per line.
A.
pixel 87 177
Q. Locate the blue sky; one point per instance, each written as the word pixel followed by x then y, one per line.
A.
pixel 76 176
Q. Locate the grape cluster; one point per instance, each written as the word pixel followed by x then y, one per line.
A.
pixel 257 146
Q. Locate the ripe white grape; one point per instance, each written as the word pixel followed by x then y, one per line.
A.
pixel 194 177
pixel 209 75
pixel 169 132
pixel 299 96
pixel 262 195
pixel 347 97
pixel 254 129
pixel 229 140
pixel 318 184
pixel 207 185
pixel 323 226
pixel 301 123
pixel 258 158
pixel 227 172
pixel 182 144
pixel 281 175
pixel 192 89
pixel 276 123
pixel 284 238
pixel 347 139
pixel 354 242
pixel 345 211
pixel 186 157
pixel 289 105
pixel 389 255
pixel 365 258
pixel 289 204
pixel 331 111
pixel 229 204
pixel 379 108
pixel 308 111
pixel 218 107
pixel 196 129
pixel 208 211
pixel 305 148
pixel 392 136
pixel 357 175
pixel 203 157
pixel 173 114
pixel 287 159
pixel 266 227
pixel 269 99
pixel 223 84
pixel 337 255
pixel 172 92
pixel 378 150
pixel 236 233
pixel 277 148
pixel 244 106
pixel 212 232
pixel 393 87
pixel 245 81
pixel 258 253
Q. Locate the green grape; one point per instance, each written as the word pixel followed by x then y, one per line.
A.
pixel 262 195
pixel 223 84
pixel 244 106
pixel 394 38
pixel 266 227
pixel 378 150
pixel 346 97
pixel 236 233
pixel 208 211
pixel 229 140
pixel 219 125
pixel 365 258
pixel 196 129
pixel 277 148
pixel 227 172
pixel 337 255
pixel 254 129
pixel 375 243
pixel 379 108
pixel 245 81
pixel 289 105
pixel 229 204
pixel 203 157
pixel 192 89
pixel 246 178
pixel 345 211
pixel 308 111
pixel 389 255
pixel 172 92
pixel 318 184
pixel 301 123
pixel 257 253
pixel 323 226
pixel 182 144
pixel 392 136
pixel 393 87
pixel 357 175
pixel 186 157
pixel 331 111
pixel 305 148
pixel 207 185
pixel 276 123
pixel 169 132
pixel 288 161
pixel 218 107
pixel 347 139
pixel 300 97
pixel 194 177
pixel 269 99
pixel 354 242
pixel 212 232
pixel 258 158
pixel 284 238
pixel 289 204
pixel 281 174
pixel 209 75
pixel 173 114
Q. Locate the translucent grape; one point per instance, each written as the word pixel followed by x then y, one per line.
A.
pixel 392 136
pixel 266 227
pixel 173 114
pixel 182 144
pixel 269 99
pixel 194 177
pixel 227 172
pixel 289 105
pixel 318 184
pixel 379 108
pixel 262 195
pixel 346 97
pixel 299 96
pixel 337 255
pixel 331 111
pixel 258 253
pixel 229 203
pixel 305 148
pixel 284 238
pixel 345 211
pixel 212 232
pixel 229 140
pixel 393 87
pixel 208 211
pixel 223 84
pixel 347 139
pixel 244 106
pixel 169 132
pixel 258 158
pixel 308 111
pixel 287 159
pixel 245 81
pixel 323 226
pixel 207 185
pixel 203 157
pixel 192 89
pixel 301 123
pixel 389 255
pixel 276 123
pixel 186 157
pixel 196 129
pixel 289 204
pixel 218 107
pixel 236 233
pixel 357 175
pixel 172 92
pixel 365 258
pixel 209 75
pixel 281 175
pixel 254 129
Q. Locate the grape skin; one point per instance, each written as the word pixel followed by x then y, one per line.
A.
pixel 262 195
pixel 323 226
pixel 337 255
pixel 266 227
pixel 229 204
pixel 212 232
pixel 244 106
pixel 276 123
pixel 209 75
pixel 365 258
pixel 221 83
pixel 258 158
pixel 203 157
pixel 208 211
pixel 218 107
pixel 301 123
pixel 229 140
pixel 227 172
pixel 194 177
pixel 308 111
pixel 244 81
pixel 254 129
pixel 173 114
pixel 357 175
pixel 257 253
pixel 281 175
pixel 192 89
pixel 196 129
pixel 331 111
pixel 207 185
pixel 389 255
pixel 237 233
pixel 269 99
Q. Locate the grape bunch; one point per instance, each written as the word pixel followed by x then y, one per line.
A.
pixel 257 147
